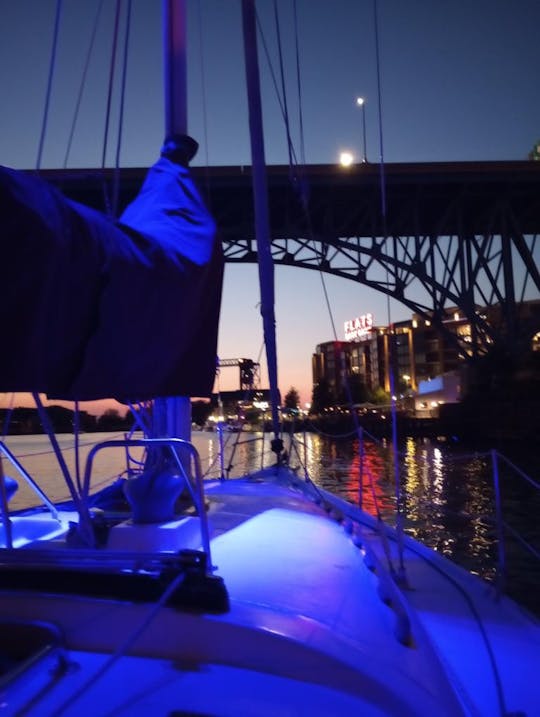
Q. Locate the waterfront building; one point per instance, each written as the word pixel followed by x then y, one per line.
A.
pixel 415 349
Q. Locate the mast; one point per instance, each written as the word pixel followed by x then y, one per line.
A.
pixel 172 415
pixel 174 61
pixel 260 199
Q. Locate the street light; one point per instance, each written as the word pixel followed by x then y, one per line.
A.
pixel 360 101
pixel 346 159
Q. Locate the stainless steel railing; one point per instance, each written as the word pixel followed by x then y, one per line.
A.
pixel 4 451
pixel 176 445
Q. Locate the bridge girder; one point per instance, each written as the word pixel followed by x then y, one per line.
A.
pixel 459 235
pixel 430 275
pixel 456 236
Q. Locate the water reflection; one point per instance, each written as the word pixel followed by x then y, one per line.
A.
pixel 447 498
pixel 444 504
pixel 448 507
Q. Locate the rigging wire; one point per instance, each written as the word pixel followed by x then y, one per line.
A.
pixel 116 180
pixel 49 84
pixel 85 525
pixel 76 446
pixel 83 82
pixel 391 342
pixel 299 86
pixel 204 108
pixel 481 623
pixel 266 266
pixel 283 87
pixel 292 154
pixel 276 88
pixel 124 647
pixel 86 531
pixel 292 157
pixel 302 189
pixel 297 177
pixel 112 66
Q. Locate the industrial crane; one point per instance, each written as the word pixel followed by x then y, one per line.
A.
pixel 249 371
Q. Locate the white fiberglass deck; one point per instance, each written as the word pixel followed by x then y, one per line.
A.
pixel 307 631
pixel 294 572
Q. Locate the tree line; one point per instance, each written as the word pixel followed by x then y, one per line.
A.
pixel 22 420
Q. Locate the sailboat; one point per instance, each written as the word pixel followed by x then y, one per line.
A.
pixel 261 594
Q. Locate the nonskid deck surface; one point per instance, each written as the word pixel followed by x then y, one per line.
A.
pixel 304 612
pixel 488 645
pixel 305 609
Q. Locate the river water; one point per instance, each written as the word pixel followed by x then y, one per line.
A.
pixel 447 494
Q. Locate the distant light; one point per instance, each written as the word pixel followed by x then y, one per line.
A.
pixel 360 101
pixel 346 159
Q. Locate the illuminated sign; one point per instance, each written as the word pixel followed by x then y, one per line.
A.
pixel 359 327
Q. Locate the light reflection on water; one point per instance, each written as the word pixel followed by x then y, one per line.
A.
pixel 444 501
pixel 447 496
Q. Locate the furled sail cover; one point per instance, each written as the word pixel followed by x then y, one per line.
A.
pixel 90 308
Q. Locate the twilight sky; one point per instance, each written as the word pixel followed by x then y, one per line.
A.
pixel 459 82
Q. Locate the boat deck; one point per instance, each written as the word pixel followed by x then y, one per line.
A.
pixel 315 619
pixel 305 623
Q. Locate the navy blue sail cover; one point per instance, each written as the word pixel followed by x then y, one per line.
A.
pixel 94 308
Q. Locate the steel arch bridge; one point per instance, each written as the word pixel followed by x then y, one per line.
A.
pixel 453 235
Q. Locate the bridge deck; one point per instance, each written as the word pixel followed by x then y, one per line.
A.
pixel 425 199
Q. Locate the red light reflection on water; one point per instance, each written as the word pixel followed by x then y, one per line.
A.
pixel 439 504
pixel 369 477
pixel 336 466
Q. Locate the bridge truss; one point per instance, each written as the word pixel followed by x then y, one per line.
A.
pixel 452 235
pixel 463 241
pixel 430 275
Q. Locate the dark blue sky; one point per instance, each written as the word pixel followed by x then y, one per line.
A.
pixel 459 79
pixel 459 82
